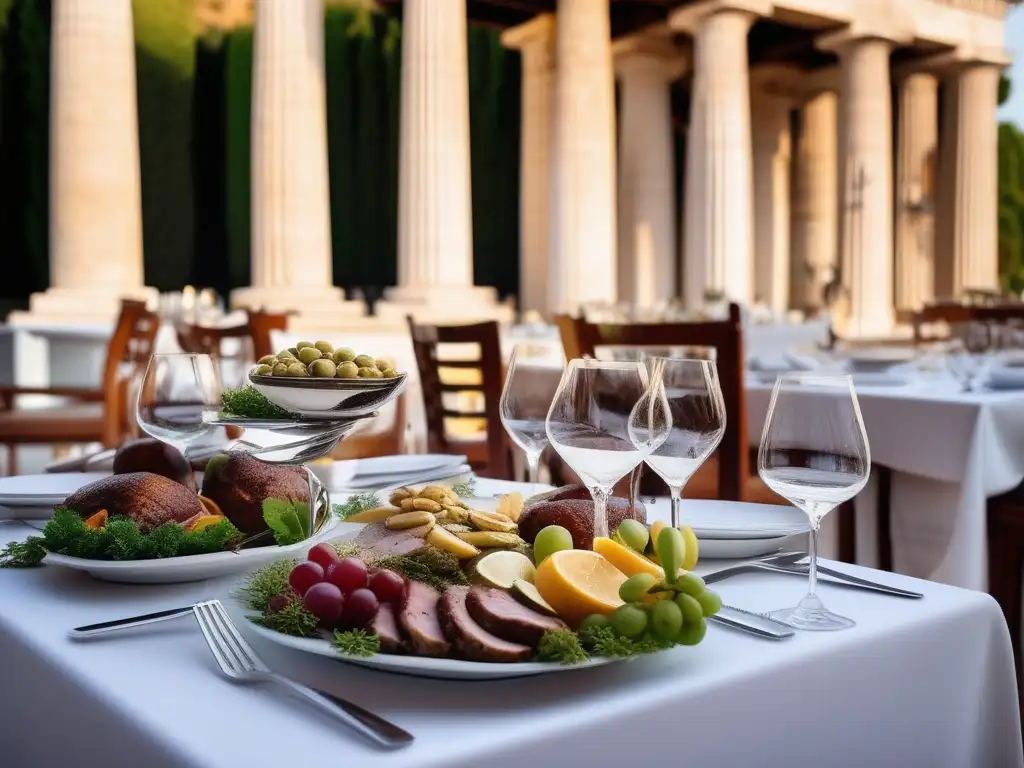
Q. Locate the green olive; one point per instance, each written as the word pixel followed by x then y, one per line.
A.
pixel 347 370
pixel 294 351
pixel 268 359
pixel 285 355
pixel 365 361
pixel 280 369
pixel 264 370
pixel 325 347
pixel 324 369
pixel 365 372
pixel 383 364
pixel 308 354
pixel 389 373
pixel 343 355
pixel 303 344
pixel 297 369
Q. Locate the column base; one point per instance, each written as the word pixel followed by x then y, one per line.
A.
pixel 80 305
pixel 437 304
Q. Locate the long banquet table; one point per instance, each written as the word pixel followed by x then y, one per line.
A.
pixel 915 683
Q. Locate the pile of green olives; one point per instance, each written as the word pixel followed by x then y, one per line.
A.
pixel 321 360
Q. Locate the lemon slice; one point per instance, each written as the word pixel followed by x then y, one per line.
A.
pixel 579 582
pixel 626 560
pixel 529 596
pixel 503 569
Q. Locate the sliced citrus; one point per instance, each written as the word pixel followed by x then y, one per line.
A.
pixel 626 560
pixel 579 582
pixel 692 547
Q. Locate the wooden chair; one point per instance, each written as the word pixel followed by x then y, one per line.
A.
pixel 98 415
pixel 947 314
pixel 255 331
pixel 482 375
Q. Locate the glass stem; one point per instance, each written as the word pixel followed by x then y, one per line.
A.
pixel 600 496
pixel 812 554
pixel 676 494
pixel 533 468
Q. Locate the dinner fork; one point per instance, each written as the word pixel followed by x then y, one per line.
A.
pixel 240 664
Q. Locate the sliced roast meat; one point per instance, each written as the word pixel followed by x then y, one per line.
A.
pixel 382 541
pixel 385 625
pixel 472 641
pixel 501 614
pixel 418 617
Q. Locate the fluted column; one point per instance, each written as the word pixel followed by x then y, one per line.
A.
pixel 916 148
pixel 95 191
pixel 815 201
pixel 583 226
pixel 536 41
pixel 865 186
pixel 968 256
pixel 718 211
pixel 647 186
pixel 291 221
pixel 772 155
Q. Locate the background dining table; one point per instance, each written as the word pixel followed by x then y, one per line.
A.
pixel 926 682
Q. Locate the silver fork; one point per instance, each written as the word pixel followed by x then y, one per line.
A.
pixel 240 664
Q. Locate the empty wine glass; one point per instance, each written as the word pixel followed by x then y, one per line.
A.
pixel 692 396
pixel 966 359
pixel 814 452
pixel 174 393
pixel 589 426
pixel 530 386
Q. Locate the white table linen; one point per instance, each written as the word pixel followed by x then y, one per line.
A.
pixel 866 696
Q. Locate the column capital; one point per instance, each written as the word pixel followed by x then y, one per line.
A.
pixel 538 32
pixel 649 53
pixel 896 30
pixel 687 19
pixel 965 57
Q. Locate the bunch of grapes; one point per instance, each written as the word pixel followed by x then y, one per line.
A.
pixel 340 592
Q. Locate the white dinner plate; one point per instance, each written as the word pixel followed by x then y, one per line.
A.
pixel 868 379
pixel 739 549
pixel 422 666
pixel 47 490
pixel 178 570
pixel 712 519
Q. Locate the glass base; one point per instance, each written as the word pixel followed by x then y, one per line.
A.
pixel 812 616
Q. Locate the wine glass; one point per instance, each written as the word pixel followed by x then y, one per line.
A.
pixel 588 425
pixel 691 397
pixel 530 386
pixel 967 355
pixel 814 452
pixel 175 391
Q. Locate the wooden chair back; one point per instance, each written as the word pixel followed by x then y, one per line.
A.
pixel 948 314
pixel 581 339
pixel 128 354
pixel 486 373
pixel 256 331
pixel 1000 313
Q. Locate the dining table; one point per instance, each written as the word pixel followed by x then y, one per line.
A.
pixel 926 682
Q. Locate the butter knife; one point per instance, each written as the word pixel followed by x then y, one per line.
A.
pixel 91 630
pixel 754 623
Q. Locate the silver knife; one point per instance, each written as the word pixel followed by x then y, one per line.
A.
pixel 848 579
pixel 91 630
pixel 754 623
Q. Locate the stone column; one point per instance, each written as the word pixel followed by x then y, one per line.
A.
pixel 95 190
pixel 435 217
pixel 583 227
pixel 865 185
pixel 647 194
pixel 772 150
pixel 718 211
pixel 815 201
pixel 916 149
pixel 968 233
pixel 536 41
pixel 291 220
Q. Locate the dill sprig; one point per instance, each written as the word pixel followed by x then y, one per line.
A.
pixel 359 502
pixel 606 642
pixel 356 642
pixel 249 403
pixel 292 619
pixel 465 489
pixel 562 646
pixel 23 554
pixel 266 583
pixel 432 566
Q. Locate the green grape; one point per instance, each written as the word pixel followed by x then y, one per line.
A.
pixel 594 621
pixel 553 538
pixel 633 534
pixel 710 602
pixel 692 634
pixel 690 584
pixel 690 608
pixel 629 620
pixel 666 619
pixel 671 550
pixel 636 586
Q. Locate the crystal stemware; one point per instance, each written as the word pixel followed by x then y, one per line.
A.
pixel 530 387
pixel 814 452
pixel 175 392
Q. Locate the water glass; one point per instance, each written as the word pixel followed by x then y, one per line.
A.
pixel 174 393
pixel 530 386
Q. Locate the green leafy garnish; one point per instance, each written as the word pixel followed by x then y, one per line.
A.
pixel 355 504
pixel 119 539
pixel 357 642
pixel 465 489
pixel 605 641
pixel 562 646
pixel 292 619
pixel 432 566
pixel 265 583
pixel 251 404
pixel 287 520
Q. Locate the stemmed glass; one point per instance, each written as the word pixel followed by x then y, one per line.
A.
pixel 174 393
pixel 814 452
pixel 589 426
pixel 525 400
pixel 691 399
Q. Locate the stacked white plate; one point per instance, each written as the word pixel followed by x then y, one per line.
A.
pixel 383 471
pixel 33 497
pixel 1007 375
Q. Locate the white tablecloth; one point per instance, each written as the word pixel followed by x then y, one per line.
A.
pixel 915 683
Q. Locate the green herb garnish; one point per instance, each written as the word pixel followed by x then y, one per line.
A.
pixel 249 403
pixel 293 619
pixel 119 539
pixel 355 504
pixel 357 642
pixel 432 566
pixel 265 583
pixel 562 646
pixel 287 520
pixel 605 641
pixel 465 489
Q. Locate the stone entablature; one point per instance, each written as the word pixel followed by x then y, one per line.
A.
pixel 996 8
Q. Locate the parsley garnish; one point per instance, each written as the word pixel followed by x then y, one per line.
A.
pixel 249 403
pixel 288 520
pixel 465 489
pixel 356 642
pixel 562 646
pixel 605 641
pixel 355 504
